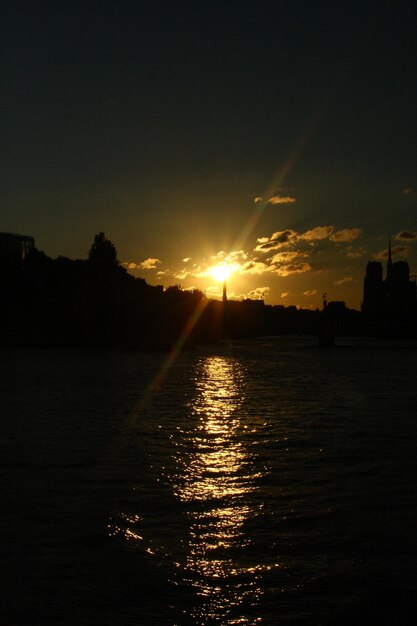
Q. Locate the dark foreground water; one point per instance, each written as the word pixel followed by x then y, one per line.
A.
pixel 266 482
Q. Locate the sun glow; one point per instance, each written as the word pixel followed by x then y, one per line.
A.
pixel 221 272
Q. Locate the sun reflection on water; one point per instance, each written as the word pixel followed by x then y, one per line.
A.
pixel 212 477
pixel 215 479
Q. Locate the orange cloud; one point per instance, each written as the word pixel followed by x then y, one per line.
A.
pixel 281 200
pixel 256 267
pixel 383 254
pixel 255 294
pixel 347 234
pixel 355 253
pixel 277 240
pixel 149 264
pixel 287 256
pixel 275 200
pixel 293 268
pixel 318 233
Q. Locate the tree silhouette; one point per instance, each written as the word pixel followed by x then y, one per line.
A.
pixel 102 252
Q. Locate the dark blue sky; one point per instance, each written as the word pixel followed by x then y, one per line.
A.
pixel 160 122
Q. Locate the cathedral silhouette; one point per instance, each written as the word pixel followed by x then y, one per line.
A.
pixel 390 305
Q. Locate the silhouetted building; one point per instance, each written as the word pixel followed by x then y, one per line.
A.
pixel 389 306
pixel 13 250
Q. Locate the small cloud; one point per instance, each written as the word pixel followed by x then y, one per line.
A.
pixel 342 281
pixel 318 233
pixel 229 257
pixel 256 267
pixel 255 294
pixel 383 254
pixel 188 258
pixel 407 191
pixel 182 275
pixel 285 294
pixel 162 273
pixel 277 240
pixel 293 268
pixel 281 200
pixel 310 292
pixel 130 266
pixel 213 289
pixel 287 256
pixel 355 253
pixel 258 199
pixel 347 234
pixel 407 235
pixel 149 264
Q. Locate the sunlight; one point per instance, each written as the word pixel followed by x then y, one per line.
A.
pixel 221 272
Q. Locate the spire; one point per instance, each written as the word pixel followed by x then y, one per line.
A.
pixel 224 292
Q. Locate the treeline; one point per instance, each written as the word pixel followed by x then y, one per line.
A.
pixel 97 303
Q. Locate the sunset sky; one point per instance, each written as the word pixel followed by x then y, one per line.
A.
pixel 279 138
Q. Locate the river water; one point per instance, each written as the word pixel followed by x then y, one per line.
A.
pixel 255 482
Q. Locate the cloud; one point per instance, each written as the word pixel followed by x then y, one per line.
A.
pixel 310 292
pixel 355 253
pixel 275 200
pixel 256 267
pixel 188 258
pixel 281 200
pixel 342 281
pixel 182 275
pixel 407 191
pixel 149 264
pixel 130 266
pixel 383 254
pixel 255 294
pixel 235 256
pixel 277 240
pixel 213 289
pixel 347 234
pixel 407 235
pixel 287 256
pixel 293 268
pixel 285 294
pixel 289 237
pixel 318 233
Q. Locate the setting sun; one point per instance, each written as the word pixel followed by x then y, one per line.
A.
pixel 221 272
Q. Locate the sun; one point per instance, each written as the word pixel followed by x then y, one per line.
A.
pixel 221 272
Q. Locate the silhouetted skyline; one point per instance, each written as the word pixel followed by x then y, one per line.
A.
pixel 279 138
pixel 95 302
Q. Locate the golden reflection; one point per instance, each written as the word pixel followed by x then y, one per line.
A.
pixel 216 479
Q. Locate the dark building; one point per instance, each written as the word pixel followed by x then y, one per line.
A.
pixel 389 306
pixel 13 251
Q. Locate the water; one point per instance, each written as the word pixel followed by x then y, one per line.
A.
pixel 263 482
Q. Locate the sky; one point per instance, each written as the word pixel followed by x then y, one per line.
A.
pixel 277 138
